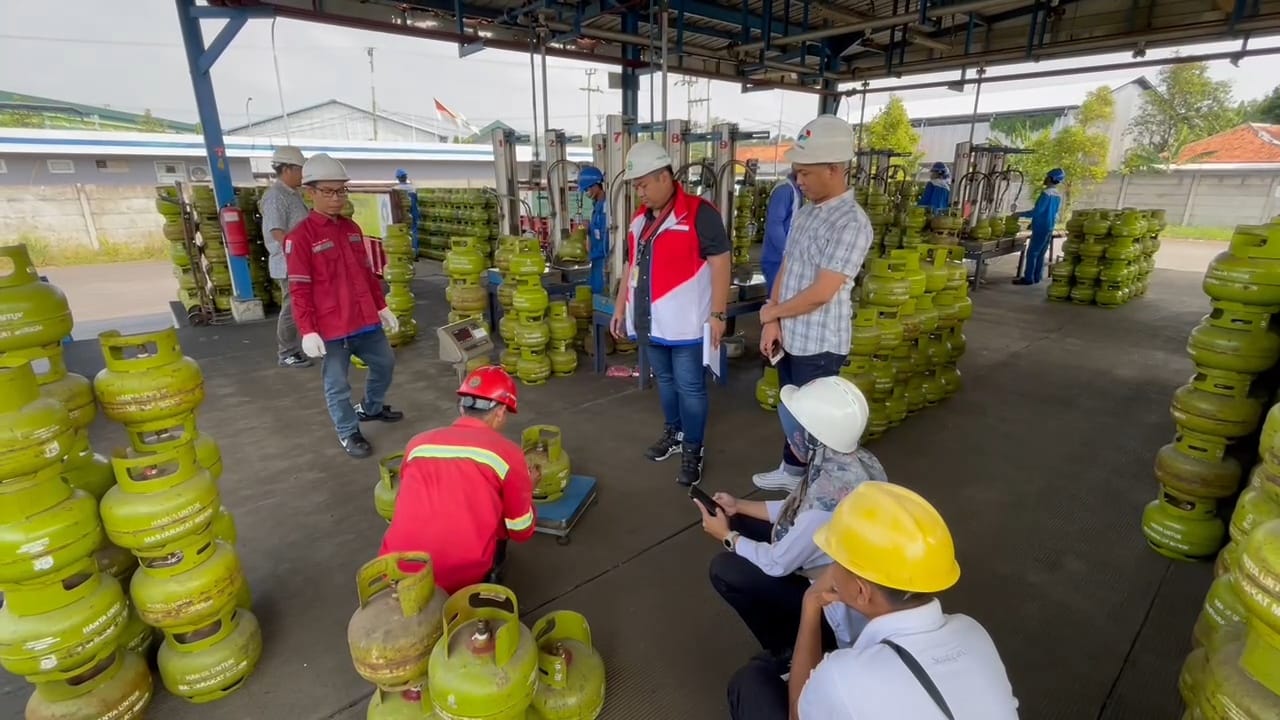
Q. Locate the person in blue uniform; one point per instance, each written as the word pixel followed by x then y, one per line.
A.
pixel 591 182
pixel 402 183
pixel 1043 217
pixel 937 194
pixel 784 201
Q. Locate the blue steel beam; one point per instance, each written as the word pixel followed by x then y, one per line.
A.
pixel 630 79
pixel 215 150
pixel 220 43
pixel 206 12
pixel 829 100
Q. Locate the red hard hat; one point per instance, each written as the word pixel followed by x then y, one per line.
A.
pixel 490 382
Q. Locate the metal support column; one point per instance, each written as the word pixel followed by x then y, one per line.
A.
pixel 674 142
pixel 244 306
pixel 504 169
pixel 618 194
pixel 557 187
pixel 723 148
pixel 630 80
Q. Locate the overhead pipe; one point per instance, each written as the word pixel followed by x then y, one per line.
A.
pixel 666 28
pixel 834 13
pixel 877 23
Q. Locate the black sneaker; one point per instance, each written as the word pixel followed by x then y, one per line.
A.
pixel 666 446
pixel 297 360
pixel 387 415
pixel 356 446
pixel 690 464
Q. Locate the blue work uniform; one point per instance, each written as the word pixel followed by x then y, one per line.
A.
pixel 936 196
pixel 598 235
pixel 784 201
pixel 413 213
pixel 1043 217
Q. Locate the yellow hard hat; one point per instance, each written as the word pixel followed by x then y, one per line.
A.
pixel 891 536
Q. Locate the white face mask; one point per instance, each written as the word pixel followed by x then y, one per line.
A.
pixel 801 442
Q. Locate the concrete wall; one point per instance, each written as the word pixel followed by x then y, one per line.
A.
pixel 1203 198
pixel 80 214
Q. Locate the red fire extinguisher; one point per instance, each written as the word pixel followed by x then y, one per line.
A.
pixel 233 229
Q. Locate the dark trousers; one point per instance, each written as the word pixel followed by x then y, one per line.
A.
pixel 801 369
pixel 769 606
pixel 757 692
pixel 499 563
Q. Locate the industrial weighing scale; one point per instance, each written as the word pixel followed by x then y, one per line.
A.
pixel 465 340
pixel 558 517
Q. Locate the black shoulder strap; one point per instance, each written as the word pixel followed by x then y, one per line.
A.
pixel 922 677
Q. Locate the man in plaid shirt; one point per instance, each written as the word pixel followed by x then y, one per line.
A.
pixel 810 311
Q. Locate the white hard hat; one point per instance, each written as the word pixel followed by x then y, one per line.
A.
pixel 321 167
pixel 831 409
pixel 645 157
pixel 287 155
pixel 825 139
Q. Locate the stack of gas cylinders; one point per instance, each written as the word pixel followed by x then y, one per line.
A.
pixel 908 334
pixel 65 625
pixel 581 310
pixel 466 293
pixel 445 213
pixel 1108 256
pixel 524 327
pixel 165 508
pixel 1233 669
pixel 466 656
pixel 264 288
pixel 178 225
pixel 1232 348
pixel 398 274
pixel 750 204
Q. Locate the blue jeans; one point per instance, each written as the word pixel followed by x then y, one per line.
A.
pixel 682 388
pixel 375 351
pixel 1037 247
pixel 800 370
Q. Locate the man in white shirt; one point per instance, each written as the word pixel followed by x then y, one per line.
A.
pixel 892 553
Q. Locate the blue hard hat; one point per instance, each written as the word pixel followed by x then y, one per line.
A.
pixel 940 168
pixel 401 174
pixel 589 176
pixel 1056 176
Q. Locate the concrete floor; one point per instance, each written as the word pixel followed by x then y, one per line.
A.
pixel 1041 466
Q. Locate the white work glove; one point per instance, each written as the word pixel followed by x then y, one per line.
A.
pixel 389 321
pixel 313 345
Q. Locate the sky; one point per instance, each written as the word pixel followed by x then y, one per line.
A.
pixel 58 50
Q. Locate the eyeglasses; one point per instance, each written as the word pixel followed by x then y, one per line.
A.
pixel 332 192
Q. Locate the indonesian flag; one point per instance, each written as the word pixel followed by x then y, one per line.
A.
pixel 458 119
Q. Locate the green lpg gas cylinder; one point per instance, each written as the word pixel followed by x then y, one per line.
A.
pixel 767 389
pixel 1265 478
pixel 949 375
pixel 1062 270
pixel 926 314
pixel 1229 693
pixel 158 499
pixel 147 378
pixel 915 394
pixel 886 283
pixel 118 688
pixel 563 357
pixel 397 273
pixel 467 297
pixel 534 366
pixel 46 527
pixel 391 634
pixel 919 358
pixel 910 262
pixel 530 299
pixel 115 561
pixel 889 323
pixel 53 630
pixel 1260 658
pixel 507 246
pixel 87 470
pixel 507 328
pixel 1198 465
pixel 162 436
pixel 956 344
pixel 400 300
pixel 510 358
pixel 1088 270
pixel 212 662
pixel 561 325
pixel 464 259
pixel 570 671
pixel 1059 290
pixel 934 264
pixel 73 391
pixel 486 665
pixel 1257 573
pixel 1253 508
pixel 1222 619
pixel 1191 678
pixel 384 493
pixel 877 420
pixel 1123 249
pixel 933 388
pixel 532 333
pixel 507 291
pixel 527 260
pixel 397 239
pixel 865 339
pixel 1217 403
pixel 35 431
pixel 957 274
pixel 1248 271
pixel 543 447
pixel 189 585
pixel 900 360
pixel 896 405
pixel 1182 528
pixel 947 305
pixel 885 376
pixel 857 370
pixel 910 321
pixel 33 313
pixel 224 526
pixel 1235 338
pixel 410 704
pixel 574 247
pixel 1110 295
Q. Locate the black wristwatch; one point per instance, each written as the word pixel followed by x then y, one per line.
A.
pixel 719 316
pixel 730 541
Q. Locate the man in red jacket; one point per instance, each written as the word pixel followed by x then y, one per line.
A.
pixel 465 489
pixel 338 304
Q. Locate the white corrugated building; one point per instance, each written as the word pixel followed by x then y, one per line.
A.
pixel 337 120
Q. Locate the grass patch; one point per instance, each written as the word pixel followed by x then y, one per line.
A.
pixel 1197 232
pixel 47 254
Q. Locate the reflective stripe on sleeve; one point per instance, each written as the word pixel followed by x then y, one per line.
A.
pixel 521 523
pixel 300 278
pixel 459 452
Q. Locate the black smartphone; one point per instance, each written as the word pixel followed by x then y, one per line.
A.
pixel 711 505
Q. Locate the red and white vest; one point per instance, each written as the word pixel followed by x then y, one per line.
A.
pixel 679 277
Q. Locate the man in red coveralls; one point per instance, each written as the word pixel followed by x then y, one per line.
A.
pixel 465 489
pixel 339 305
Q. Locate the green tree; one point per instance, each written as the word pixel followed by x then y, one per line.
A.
pixel 1267 110
pixel 891 129
pixel 1081 148
pixel 21 119
pixel 150 124
pixel 1186 105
